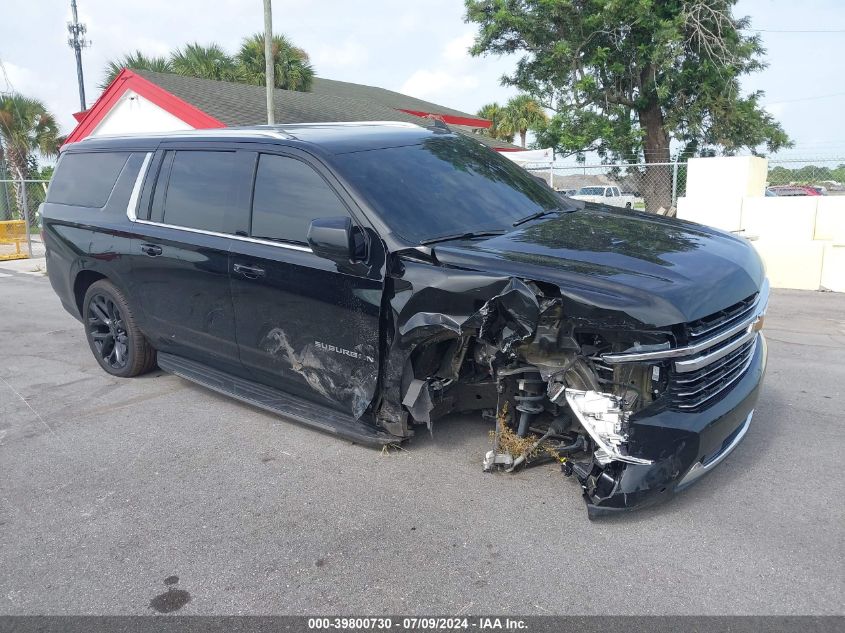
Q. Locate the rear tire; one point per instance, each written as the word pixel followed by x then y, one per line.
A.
pixel 113 336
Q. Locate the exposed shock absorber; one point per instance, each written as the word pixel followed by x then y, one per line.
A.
pixel 529 399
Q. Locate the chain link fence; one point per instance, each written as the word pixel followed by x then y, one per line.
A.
pixel 19 200
pixel 826 174
pixel 650 186
pixel 642 186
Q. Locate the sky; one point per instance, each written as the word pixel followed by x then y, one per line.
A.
pixel 416 48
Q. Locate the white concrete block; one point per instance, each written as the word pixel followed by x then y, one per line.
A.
pixel 792 219
pixel 833 267
pixel 830 218
pixel 726 177
pixel 721 213
pixel 792 264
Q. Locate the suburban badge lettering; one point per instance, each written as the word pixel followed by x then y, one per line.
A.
pixel 344 352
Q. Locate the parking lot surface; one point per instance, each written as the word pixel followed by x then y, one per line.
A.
pixel 110 486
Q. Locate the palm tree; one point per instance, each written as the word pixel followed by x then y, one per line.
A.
pixel 493 113
pixel 206 62
pixel 293 70
pixel 26 127
pixel 522 113
pixel 134 61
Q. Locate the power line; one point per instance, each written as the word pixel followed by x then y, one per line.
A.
pixel 795 30
pixel 827 96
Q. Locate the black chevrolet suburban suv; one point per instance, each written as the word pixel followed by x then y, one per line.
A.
pixel 370 278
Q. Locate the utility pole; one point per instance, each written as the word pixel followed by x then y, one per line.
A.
pixel 77 42
pixel 269 69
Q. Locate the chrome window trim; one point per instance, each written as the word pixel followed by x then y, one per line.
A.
pixel 132 205
pixel 239 238
pixel 747 325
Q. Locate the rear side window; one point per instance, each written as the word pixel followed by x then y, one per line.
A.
pixel 201 192
pixel 86 180
pixel 288 195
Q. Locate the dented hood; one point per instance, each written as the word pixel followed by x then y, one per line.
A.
pixel 659 271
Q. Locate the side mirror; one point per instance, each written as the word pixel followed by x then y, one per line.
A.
pixel 336 239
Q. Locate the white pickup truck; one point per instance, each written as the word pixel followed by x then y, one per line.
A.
pixel 607 195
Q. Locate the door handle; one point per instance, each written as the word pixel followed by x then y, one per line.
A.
pixel 151 249
pixel 250 272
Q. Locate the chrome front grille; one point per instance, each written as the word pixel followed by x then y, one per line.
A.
pixel 714 323
pixel 719 351
pixel 694 389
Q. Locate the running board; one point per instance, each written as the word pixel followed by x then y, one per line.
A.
pixel 276 401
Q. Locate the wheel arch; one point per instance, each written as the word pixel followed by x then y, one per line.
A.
pixel 84 280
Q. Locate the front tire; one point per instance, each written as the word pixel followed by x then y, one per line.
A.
pixel 113 336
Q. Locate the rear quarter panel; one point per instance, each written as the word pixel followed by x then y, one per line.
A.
pixel 81 239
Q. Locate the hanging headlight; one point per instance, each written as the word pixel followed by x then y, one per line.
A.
pixel 602 416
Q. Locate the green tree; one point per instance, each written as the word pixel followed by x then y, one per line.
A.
pixel 134 61
pixel 26 129
pixel 293 69
pixel 205 62
pixel 292 65
pixel 493 113
pixel 522 113
pixel 626 78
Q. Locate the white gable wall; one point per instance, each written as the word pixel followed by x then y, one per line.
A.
pixel 133 114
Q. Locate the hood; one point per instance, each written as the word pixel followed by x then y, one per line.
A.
pixel 660 271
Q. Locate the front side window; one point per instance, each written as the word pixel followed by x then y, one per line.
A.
pixel 201 192
pixel 288 195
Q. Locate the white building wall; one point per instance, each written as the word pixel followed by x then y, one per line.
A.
pixel 133 114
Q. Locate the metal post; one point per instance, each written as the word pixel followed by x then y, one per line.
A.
pixel 674 184
pixel 269 69
pixel 77 42
pixel 25 204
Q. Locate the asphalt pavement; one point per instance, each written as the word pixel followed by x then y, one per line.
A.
pixel 153 494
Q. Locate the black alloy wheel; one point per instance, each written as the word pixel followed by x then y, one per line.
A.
pixel 108 331
pixel 115 339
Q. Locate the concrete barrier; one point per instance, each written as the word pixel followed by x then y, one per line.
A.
pixel 784 219
pixel 830 218
pixel 801 239
pixel 792 264
pixel 833 267
pixel 721 213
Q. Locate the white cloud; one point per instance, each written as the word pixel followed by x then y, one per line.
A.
pixel 349 53
pixel 775 109
pixel 428 84
pixel 17 78
pixel 456 50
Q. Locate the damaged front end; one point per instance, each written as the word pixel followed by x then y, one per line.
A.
pixel 632 412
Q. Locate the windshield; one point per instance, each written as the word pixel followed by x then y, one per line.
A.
pixel 445 186
pixel 591 191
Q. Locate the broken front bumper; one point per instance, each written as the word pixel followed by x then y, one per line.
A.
pixel 683 446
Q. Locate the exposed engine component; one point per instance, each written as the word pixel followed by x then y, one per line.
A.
pixel 529 400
